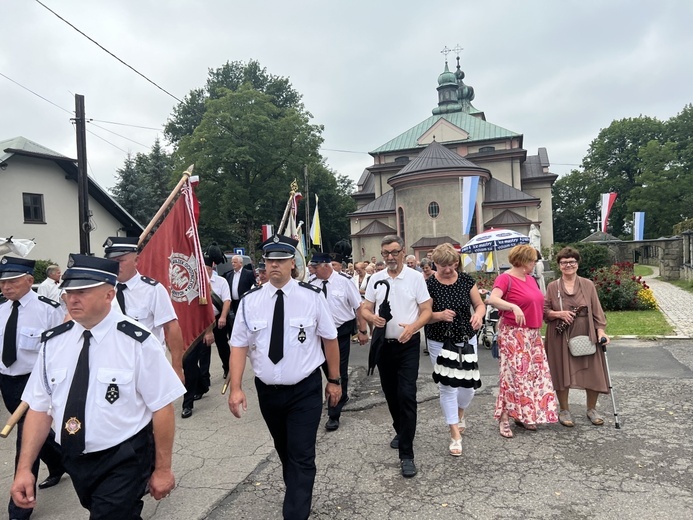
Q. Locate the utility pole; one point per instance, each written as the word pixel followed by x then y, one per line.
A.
pixel 82 176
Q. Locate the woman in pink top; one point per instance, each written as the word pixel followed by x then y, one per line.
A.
pixel 525 390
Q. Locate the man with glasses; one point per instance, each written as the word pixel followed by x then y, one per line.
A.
pixel 399 357
pixel 280 326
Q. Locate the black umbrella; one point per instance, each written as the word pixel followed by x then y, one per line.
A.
pixel 378 338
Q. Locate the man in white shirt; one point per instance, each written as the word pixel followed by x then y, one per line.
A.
pixel 49 287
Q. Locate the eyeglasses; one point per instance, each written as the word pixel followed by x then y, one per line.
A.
pixel 571 263
pixel 391 253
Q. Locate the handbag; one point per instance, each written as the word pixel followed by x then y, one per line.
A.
pixel 581 346
pixel 577 345
pixel 457 365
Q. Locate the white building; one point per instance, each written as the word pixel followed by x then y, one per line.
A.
pixel 38 200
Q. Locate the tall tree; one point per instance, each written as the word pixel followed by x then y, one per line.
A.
pixel 247 151
pixel 573 212
pixel 613 163
pixel 131 192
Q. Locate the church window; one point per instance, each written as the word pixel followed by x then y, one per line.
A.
pixel 400 219
pixel 485 149
pixel 433 209
pixel 402 160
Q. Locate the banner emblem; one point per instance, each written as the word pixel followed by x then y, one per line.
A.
pixel 185 286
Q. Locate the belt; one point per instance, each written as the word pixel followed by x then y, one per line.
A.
pixel 271 385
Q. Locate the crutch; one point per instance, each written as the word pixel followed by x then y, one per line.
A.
pixel 602 343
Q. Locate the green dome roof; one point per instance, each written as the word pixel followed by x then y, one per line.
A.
pixel 447 77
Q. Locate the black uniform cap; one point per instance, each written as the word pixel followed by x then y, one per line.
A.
pixel 119 246
pixel 84 272
pixel 11 267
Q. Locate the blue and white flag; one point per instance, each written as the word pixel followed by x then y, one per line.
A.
pixel 638 225
pixel 470 188
pixel 479 261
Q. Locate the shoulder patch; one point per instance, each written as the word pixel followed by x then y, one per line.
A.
pixel 311 287
pixel 57 331
pixel 345 275
pixel 150 281
pixel 50 302
pixel 251 290
pixel 132 330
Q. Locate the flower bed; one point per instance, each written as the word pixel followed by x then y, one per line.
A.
pixel 620 290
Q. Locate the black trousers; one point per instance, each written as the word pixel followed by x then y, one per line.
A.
pixel 12 388
pixel 221 339
pixel 399 368
pixel 112 482
pixel 292 414
pixel 344 333
pixel 193 376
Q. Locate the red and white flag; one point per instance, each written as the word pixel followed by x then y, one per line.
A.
pixel 173 256
pixel 607 203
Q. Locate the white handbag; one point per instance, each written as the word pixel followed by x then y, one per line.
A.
pixel 579 345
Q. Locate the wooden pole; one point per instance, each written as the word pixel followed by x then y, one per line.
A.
pixel 186 175
pixel 82 176
pixel 14 419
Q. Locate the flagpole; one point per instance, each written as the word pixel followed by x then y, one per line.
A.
pixel 186 175
pixel 294 189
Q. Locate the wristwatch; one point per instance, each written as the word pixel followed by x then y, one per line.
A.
pixel 363 332
pixel 337 381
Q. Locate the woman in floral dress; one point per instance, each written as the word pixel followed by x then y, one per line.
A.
pixel 525 391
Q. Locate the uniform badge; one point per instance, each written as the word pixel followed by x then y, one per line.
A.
pixel 301 334
pixel 112 393
pixel 73 425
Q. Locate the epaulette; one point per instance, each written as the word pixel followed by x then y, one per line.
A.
pixel 133 330
pixel 348 277
pixel 251 290
pixel 49 301
pixel 312 279
pixel 57 331
pixel 311 287
pixel 150 281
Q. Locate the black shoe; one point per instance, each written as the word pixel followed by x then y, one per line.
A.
pixel 408 468
pixel 51 481
pixel 394 443
pixel 187 412
pixel 332 424
pixel 197 397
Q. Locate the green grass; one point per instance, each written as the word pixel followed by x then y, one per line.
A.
pixel 686 285
pixel 642 270
pixel 638 323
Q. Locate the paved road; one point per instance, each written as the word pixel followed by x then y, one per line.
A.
pixel 227 468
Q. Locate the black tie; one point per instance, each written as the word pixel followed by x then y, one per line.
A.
pixel 9 343
pixel 276 347
pixel 324 287
pixel 72 438
pixel 120 296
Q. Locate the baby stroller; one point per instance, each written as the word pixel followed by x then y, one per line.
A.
pixel 488 333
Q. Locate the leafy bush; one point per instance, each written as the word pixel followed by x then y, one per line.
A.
pixel 40 270
pixel 685 225
pixel 620 290
pixel 592 257
pixel 484 280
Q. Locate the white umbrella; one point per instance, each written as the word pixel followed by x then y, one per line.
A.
pixel 494 240
pixel 18 246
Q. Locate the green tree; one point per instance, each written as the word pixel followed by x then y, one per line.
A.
pixel 131 191
pixel 613 164
pixel 574 213
pixel 247 150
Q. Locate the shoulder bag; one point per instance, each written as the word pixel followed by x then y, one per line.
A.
pixel 578 345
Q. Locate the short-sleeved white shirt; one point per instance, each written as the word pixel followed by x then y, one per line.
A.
pixel 342 297
pixel 149 304
pixel 305 313
pixel 221 287
pixel 34 317
pixel 50 289
pixel 407 291
pixel 144 377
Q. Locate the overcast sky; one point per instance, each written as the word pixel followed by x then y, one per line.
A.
pixel 555 71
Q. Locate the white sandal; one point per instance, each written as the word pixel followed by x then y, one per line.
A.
pixel 462 425
pixel 456 447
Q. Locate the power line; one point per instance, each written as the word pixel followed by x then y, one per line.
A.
pixel 107 141
pixel 107 51
pixel 126 124
pixel 114 133
pixel 35 94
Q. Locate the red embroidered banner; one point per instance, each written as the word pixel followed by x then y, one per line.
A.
pixel 173 256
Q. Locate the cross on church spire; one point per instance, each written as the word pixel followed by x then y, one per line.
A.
pixel 445 52
pixel 457 50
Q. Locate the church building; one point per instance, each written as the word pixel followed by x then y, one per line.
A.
pixel 414 188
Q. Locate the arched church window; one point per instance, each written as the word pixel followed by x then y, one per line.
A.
pixel 433 209
pixel 400 220
pixel 485 149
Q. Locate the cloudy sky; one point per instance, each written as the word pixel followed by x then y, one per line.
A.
pixel 555 71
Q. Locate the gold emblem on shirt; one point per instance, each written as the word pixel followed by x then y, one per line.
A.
pixel 73 425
